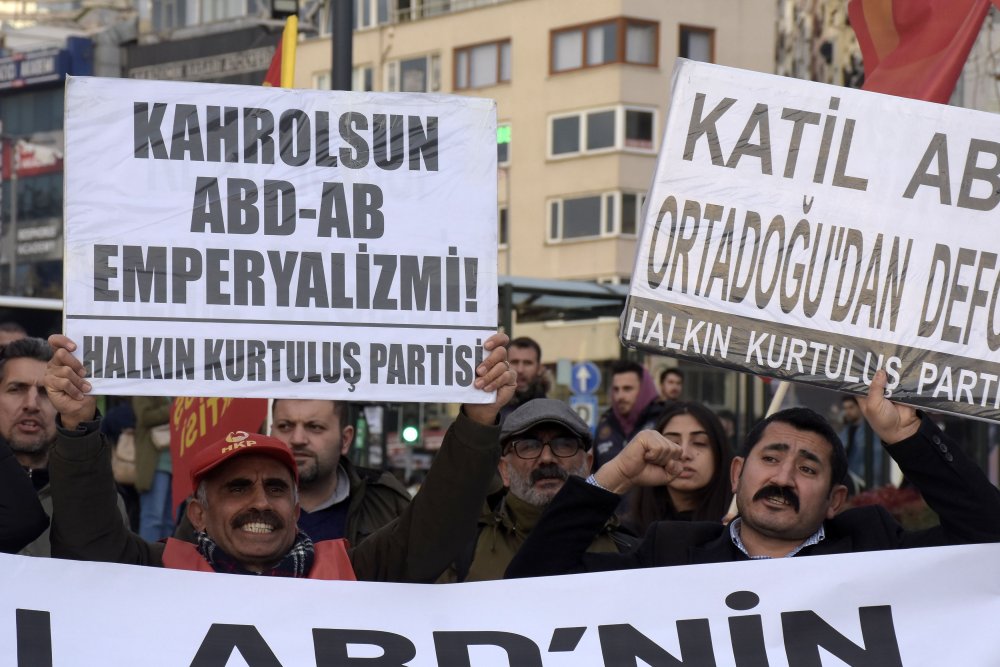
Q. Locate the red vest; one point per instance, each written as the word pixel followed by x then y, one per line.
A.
pixel 331 562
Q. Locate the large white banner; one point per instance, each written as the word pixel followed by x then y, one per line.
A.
pixel 815 233
pixel 912 608
pixel 235 240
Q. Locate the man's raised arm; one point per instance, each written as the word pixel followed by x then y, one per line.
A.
pixel 951 484
pixel 431 533
pixel 86 522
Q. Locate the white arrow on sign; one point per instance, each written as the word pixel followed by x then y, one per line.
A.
pixel 582 375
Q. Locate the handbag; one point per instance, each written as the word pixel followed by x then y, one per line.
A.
pixel 123 458
pixel 161 436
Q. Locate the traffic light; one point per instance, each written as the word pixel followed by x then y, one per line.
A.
pixel 411 424
pixel 411 434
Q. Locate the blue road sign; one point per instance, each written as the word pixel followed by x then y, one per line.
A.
pixel 585 378
pixel 585 405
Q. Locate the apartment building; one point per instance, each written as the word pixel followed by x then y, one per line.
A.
pixel 582 87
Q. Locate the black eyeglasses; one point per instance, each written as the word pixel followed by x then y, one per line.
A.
pixel 563 447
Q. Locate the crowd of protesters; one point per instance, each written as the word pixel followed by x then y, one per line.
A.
pixel 520 487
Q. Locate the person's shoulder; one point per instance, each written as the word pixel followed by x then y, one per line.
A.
pixel 859 520
pixel 380 480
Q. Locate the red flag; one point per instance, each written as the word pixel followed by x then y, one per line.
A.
pixel 273 77
pixel 916 48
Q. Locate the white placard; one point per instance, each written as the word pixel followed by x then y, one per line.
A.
pixel 912 608
pixel 815 233
pixel 262 242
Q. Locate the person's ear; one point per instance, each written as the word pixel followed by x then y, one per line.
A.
pixel 838 496
pixel 346 438
pixel 196 514
pixel 504 468
pixel 736 471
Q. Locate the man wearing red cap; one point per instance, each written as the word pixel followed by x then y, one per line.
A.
pixel 246 501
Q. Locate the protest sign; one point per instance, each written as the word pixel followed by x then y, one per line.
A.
pixel 907 608
pixel 261 242
pixel 813 233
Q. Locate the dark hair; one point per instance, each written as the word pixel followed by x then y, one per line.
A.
pixel 805 419
pixel 524 342
pixel 671 371
pixel 626 366
pixel 654 504
pixel 340 408
pixel 849 398
pixel 24 348
pixel 12 327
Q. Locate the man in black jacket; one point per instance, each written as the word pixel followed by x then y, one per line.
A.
pixel 22 518
pixel 788 493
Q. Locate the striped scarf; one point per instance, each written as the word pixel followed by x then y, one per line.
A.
pixel 296 563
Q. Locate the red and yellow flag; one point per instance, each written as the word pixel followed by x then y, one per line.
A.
pixel 916 48
pixel 281 73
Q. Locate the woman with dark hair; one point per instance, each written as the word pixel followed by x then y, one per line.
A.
pixel 702 492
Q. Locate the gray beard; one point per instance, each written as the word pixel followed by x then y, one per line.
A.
pixel 524 488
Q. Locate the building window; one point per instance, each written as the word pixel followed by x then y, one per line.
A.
pixel 601 130
pixel 363 78
pixel 169 15
pixel 367 14
pixel 414 75
pixel 639 129
pixel 697 43
pixel 619 40
pixel 594 215
pixel 321 80
pixel 482 65
pixel 503 227
pixel 221 10
pixel 503 144
pixel 632 204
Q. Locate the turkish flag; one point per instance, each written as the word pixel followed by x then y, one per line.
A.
pixel 916 48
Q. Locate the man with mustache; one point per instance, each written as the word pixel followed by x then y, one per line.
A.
pixel 788 493
pixel 246 503
pixel 543 443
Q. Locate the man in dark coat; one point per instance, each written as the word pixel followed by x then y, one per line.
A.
pixel 789 496
pixel 22 518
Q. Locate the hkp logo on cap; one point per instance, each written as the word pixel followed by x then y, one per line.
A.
pixel 236 440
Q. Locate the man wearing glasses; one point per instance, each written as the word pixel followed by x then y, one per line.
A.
pixel 543 442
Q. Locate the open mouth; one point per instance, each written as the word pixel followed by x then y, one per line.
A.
pixel 258 522
pixel 257 528
pixel 29 425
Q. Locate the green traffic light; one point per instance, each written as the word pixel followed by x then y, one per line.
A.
pixel 410 434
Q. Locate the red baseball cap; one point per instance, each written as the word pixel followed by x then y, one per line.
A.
pixel 236 444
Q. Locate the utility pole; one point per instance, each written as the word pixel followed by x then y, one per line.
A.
pixel 343 44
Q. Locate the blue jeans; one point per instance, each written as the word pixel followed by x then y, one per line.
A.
pixel 156 519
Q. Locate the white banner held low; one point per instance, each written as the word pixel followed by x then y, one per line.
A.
pixel 815 233
pixel 909 608
pixel 239 240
